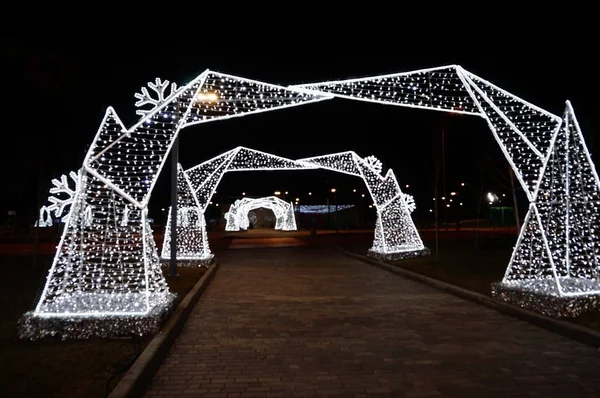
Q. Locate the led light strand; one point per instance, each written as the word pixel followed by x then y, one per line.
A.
pixel 192 239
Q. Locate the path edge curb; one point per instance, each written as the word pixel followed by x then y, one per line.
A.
pixel 573 331
pixel 138 377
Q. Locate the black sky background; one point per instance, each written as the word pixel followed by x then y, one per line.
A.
pixel 59 88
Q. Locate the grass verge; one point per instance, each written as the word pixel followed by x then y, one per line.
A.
pixel 55 368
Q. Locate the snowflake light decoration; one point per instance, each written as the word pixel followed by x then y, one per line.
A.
pixel 374 163
pixel 159 87
pixel 61 199
pixel 409 202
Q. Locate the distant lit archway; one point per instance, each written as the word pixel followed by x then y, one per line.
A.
pixel 237 218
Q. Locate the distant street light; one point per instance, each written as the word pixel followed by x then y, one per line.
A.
pixel 333 190
pixel 277 193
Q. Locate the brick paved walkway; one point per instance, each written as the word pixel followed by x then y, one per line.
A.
pixel 312 322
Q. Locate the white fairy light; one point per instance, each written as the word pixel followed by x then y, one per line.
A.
pixel 108 271
pixel 237 216
pixel 564 197
pixel 192 240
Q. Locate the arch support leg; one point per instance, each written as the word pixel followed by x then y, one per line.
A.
pixel 396 236
pixel 555 266
pixel 193 249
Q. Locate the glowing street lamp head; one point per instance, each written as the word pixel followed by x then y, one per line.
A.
pixel 207 97
pixel 333 190
pixel 277 193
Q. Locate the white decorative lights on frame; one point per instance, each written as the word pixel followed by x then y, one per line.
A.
pixel 557 254
pixel 237 216
pixel 192 240
pixel 105 279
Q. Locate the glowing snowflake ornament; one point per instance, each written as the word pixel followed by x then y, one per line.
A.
pixel 374 163
pixel 159 87
pixel 409 202
pixel 61 199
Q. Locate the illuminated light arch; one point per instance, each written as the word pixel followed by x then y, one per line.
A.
pixel 555 265
pixel 395 233
pixel 106 272
pixel 237 216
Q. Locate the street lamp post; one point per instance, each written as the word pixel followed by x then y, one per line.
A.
pixel 362 211
pixel 174 194
pixel 174 163
pixel 337 224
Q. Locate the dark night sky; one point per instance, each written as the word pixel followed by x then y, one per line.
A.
pixel 61 88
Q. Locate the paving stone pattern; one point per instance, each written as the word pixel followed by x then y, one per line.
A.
pixel 302 322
